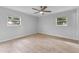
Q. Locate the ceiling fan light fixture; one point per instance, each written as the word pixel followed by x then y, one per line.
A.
pixel 41 12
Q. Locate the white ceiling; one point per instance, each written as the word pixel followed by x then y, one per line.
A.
pixel 29 10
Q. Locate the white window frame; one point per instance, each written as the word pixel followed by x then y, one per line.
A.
pixel 13 24
pixel 62 24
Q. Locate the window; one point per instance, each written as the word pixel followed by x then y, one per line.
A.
pixel 61 21
pixel 14 21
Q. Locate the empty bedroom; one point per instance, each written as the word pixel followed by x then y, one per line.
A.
pixel 39 29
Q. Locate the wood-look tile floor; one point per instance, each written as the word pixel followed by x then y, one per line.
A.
pixel 38 43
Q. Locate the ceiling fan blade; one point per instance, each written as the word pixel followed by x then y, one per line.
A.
pixel 35 9
pixel 44 7
pixel 47 11
pixel 41 6
pixel 36 12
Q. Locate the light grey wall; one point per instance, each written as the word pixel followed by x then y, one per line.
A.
pixel 77 22
pixel 28 25
pixel 47 25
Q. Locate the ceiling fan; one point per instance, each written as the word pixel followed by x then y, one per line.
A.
pixel 42 10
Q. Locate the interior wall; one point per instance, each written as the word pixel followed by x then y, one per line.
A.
pixel 28 25
pixel 47 25
pixel 77 22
